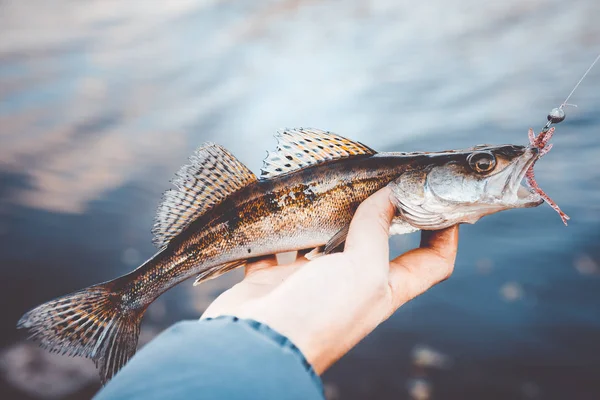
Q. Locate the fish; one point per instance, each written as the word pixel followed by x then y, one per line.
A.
pixel 220 214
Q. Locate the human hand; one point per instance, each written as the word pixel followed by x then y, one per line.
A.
pixel 328 305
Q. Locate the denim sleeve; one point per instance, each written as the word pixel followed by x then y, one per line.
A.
pixel 221 358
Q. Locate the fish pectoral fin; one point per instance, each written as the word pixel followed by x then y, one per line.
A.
pixel 212 175
pixel 217 271
pixel 315 253
pixel 336 243
pixel 301 148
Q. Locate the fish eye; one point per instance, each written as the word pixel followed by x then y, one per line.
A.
pixel 482 161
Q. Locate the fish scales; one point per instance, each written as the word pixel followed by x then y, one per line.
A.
pixel 298 211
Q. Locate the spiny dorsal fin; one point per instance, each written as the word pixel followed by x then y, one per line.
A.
pixel 212 175
pixel 300 148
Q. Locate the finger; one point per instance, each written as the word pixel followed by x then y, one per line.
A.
pixel 287 258
pixel 256 264
pixel 369 230
pixel 259 263
pixel 267 270
pixel 414 272
pixel 443 242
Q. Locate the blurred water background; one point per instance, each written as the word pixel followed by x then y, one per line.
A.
pixel 101 101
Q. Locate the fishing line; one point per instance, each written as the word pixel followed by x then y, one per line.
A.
pixel 564 103
pixel 540 142
pixel 557 115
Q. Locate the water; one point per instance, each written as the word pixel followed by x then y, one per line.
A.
pixel 102 101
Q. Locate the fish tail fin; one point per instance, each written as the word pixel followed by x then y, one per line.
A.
pixel 96 323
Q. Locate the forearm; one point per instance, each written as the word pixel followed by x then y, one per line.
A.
pixel 214 359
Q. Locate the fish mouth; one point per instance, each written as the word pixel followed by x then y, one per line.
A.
pixel 526 197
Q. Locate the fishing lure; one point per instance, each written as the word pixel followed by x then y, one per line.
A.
pixel 540 141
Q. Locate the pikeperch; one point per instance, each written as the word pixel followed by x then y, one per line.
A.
pixel 221 214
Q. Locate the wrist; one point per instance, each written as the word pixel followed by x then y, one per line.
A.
pixel 321 339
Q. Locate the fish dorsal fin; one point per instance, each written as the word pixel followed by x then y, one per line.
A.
pixel 212 175
pixel 300 148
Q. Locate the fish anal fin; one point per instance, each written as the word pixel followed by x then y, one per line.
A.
pixel 301 148
pixel 212 175
pixel 217 271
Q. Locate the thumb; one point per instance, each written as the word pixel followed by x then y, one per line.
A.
pixel 369 230
pixel 415 271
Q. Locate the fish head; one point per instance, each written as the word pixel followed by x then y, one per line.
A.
pixel 447 188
